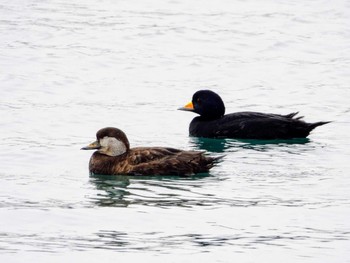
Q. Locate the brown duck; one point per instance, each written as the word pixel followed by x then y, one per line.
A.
pixel 114 156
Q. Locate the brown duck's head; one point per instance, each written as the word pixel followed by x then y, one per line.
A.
pixel 110 141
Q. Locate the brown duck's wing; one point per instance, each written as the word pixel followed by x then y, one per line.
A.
pixel 168 161
pixel 141 155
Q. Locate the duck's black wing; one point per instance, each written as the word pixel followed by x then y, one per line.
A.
pixel 253 125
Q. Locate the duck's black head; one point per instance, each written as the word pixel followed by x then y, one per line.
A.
pixel 110 141
pixel 207 104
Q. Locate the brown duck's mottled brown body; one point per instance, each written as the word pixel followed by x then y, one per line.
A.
pixel 151 161
pixel 145 160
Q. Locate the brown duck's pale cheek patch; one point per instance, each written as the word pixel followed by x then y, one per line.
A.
pixel 111 146
pixel 103 150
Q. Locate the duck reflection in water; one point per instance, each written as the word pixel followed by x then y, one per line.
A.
pixel 222 145
pixel 113 190
pixel 159 191
pixel 162 191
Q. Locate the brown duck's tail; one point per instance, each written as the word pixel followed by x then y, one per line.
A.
pixel 219 158
pixel 316 124
pixel 212 160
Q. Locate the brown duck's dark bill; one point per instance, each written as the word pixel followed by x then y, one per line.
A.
pixel 187 107
pixel 92 146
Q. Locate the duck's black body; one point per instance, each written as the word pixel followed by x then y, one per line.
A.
pixel 252 125
pixel 212 123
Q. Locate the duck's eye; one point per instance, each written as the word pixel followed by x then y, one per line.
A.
pixel 199 101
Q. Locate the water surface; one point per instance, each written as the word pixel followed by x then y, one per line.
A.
pixel 68 69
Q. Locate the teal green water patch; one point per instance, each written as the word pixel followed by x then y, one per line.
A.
pixel 221 145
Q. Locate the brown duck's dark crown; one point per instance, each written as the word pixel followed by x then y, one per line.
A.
pixel 115 133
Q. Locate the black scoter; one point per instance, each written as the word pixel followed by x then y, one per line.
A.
pixel 213 123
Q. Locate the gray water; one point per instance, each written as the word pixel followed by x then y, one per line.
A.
pixel 69 68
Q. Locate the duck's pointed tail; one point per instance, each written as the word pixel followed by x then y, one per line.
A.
pixel 316 124
pixel 291 115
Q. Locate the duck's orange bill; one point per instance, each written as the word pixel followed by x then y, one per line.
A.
pixel 189 106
